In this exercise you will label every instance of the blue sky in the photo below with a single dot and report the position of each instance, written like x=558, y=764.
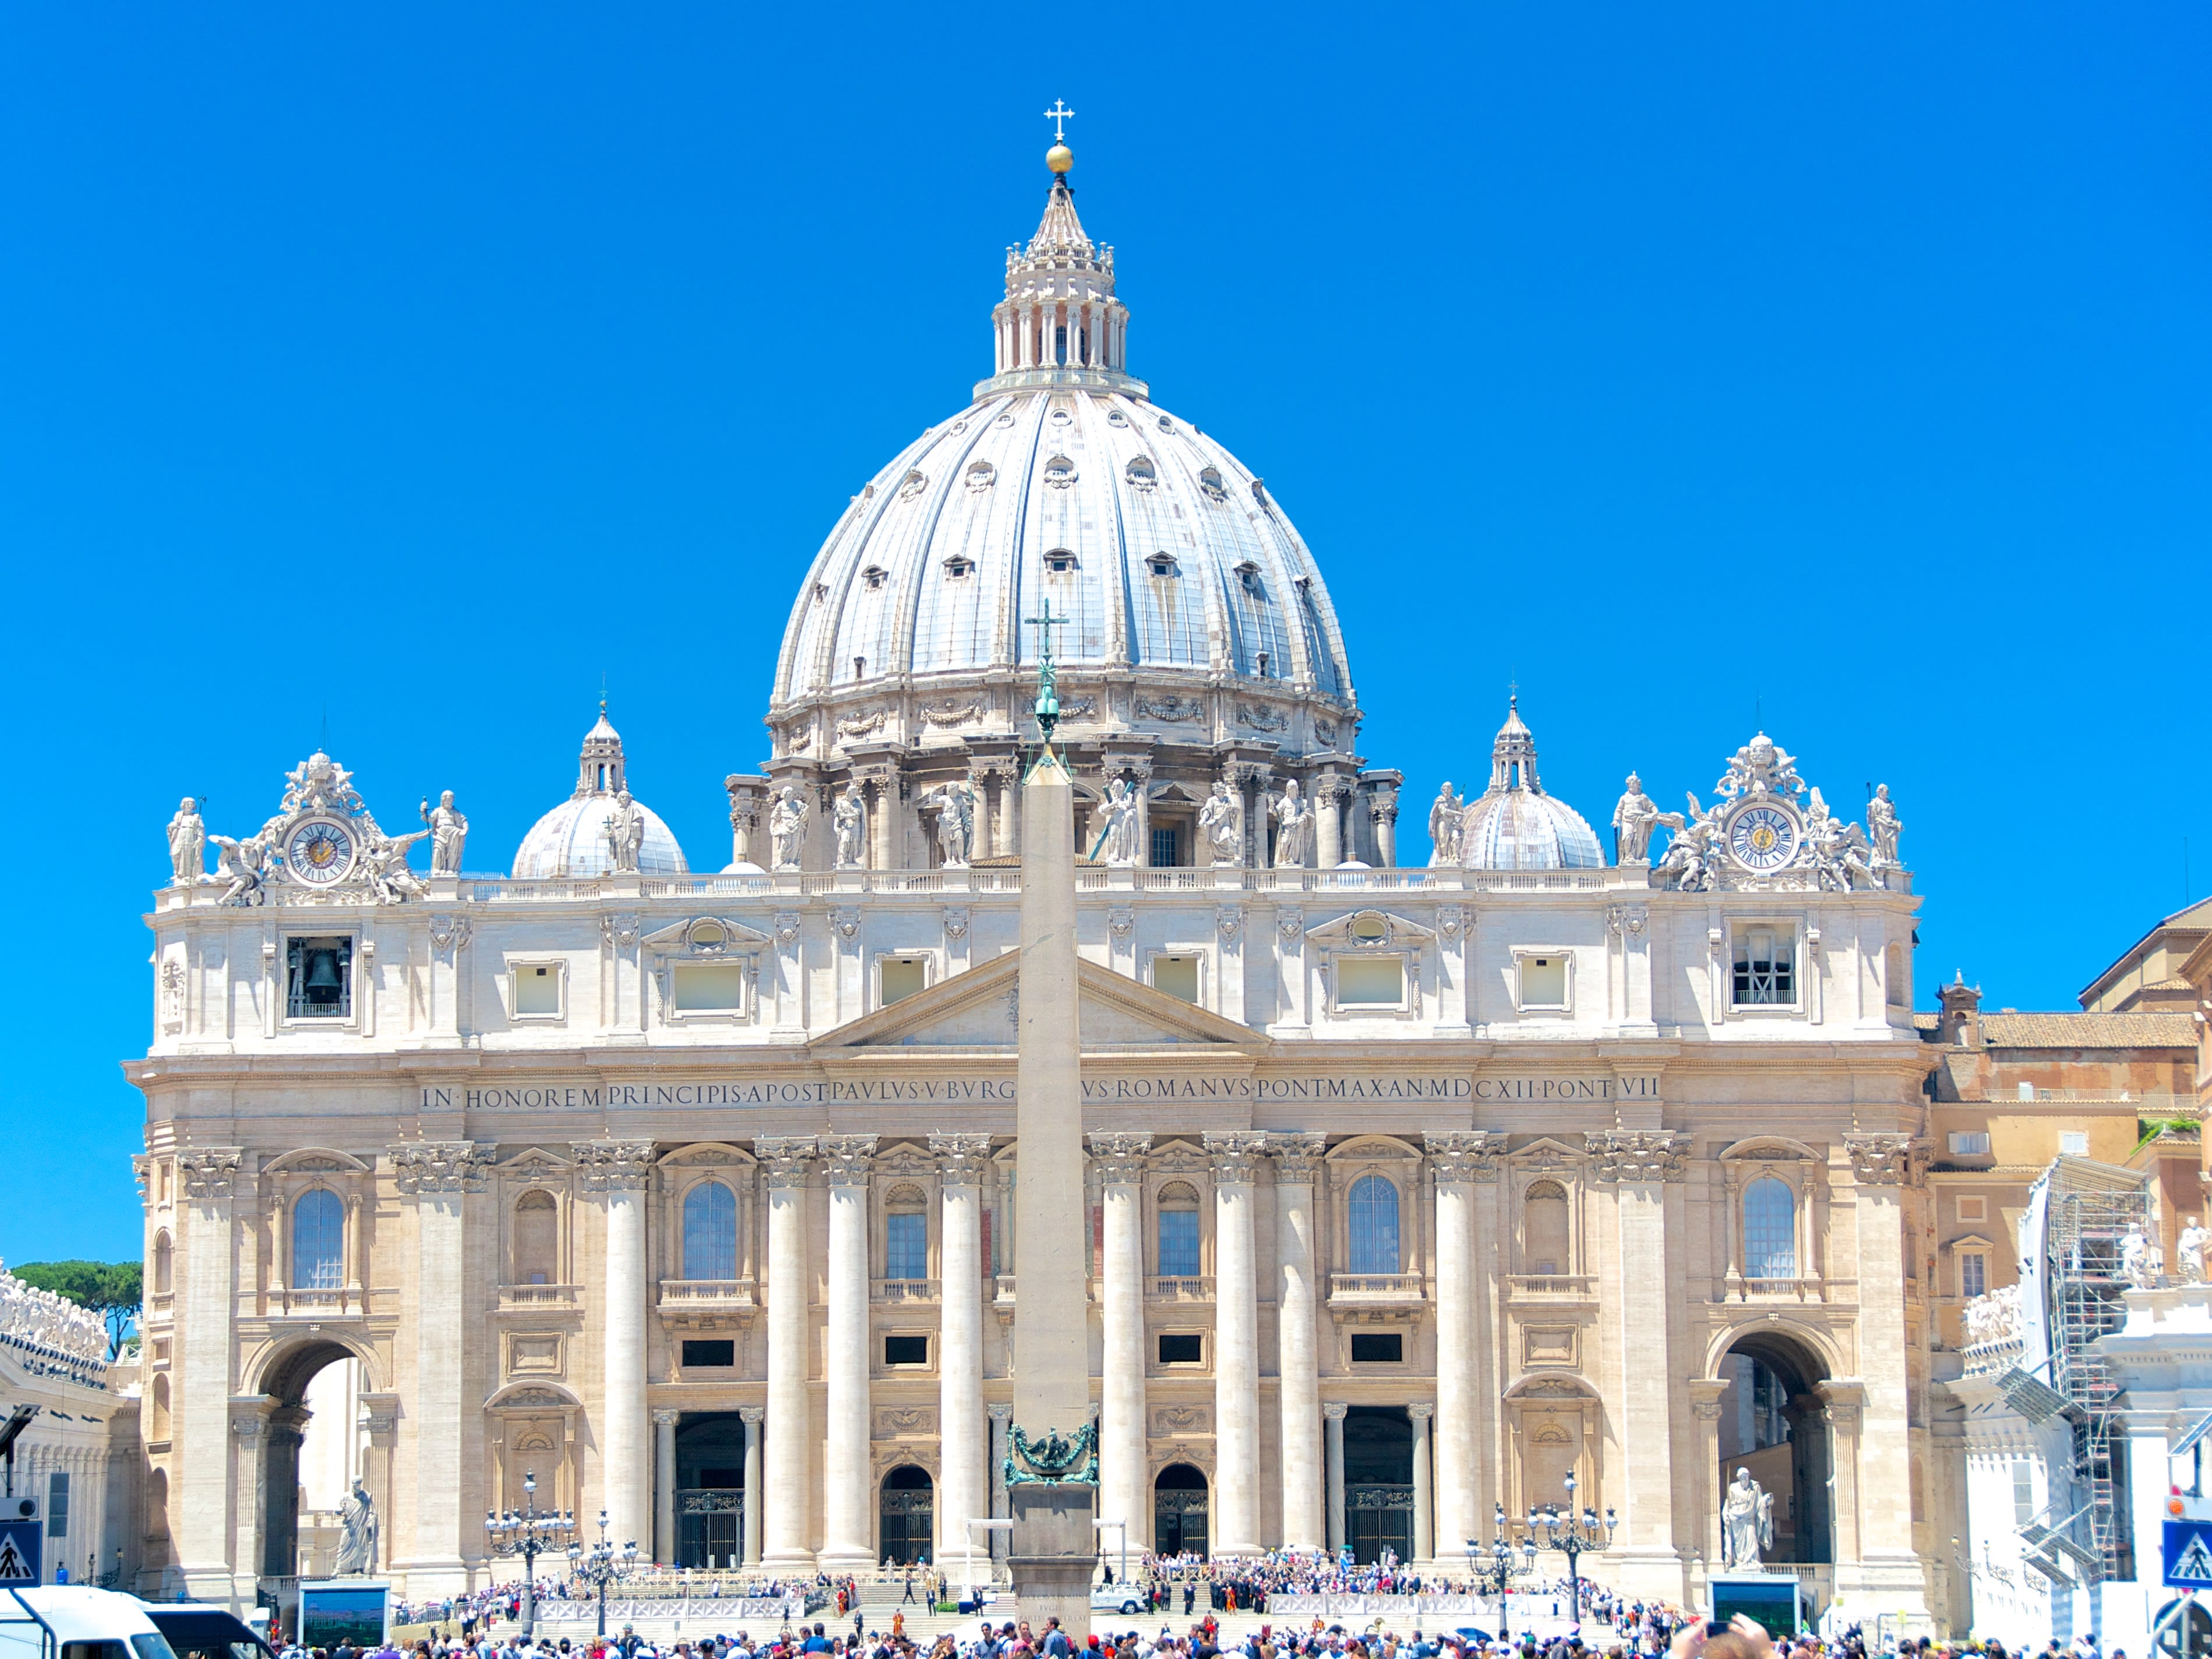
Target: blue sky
x=1842, y=367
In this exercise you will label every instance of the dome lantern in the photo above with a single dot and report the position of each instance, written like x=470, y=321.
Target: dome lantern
x=1514, y=826
x=571, y=841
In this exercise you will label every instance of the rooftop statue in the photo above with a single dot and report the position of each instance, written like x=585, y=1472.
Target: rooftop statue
x=955, y=802
x=1294, y=827
x=786, y=826
x=625, y=833
x=1444, y=828
x=1221, y=821
x=1634, y=818
x=850, y=820
x=449, y=832
x=187, y=844
x=1120, y=836
x=1883, y=827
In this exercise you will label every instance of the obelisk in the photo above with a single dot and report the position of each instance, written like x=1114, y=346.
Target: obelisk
x=1052, y=1484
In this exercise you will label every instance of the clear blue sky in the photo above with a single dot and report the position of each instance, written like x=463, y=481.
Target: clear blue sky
x=416, y=365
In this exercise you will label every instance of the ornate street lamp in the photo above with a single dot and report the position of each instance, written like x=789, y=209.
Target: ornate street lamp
x=1492, y=1567
x=529, y=1532
x=601, y=1565
x=1573, y=1536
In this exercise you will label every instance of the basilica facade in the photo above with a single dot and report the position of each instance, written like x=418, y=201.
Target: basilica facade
x=1413, y=1192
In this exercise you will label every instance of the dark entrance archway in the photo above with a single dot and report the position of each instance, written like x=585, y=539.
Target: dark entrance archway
x=710, y=1490
x=1179, y=1510
x=908, y=1517
x=1772, y=1423
x=286, y=1382
x=1378, y=1482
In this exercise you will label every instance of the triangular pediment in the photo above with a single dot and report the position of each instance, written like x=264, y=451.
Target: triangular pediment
x=977, y=1009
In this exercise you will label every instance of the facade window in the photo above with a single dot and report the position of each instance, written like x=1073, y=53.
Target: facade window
x=906, y=1351
x=165, y=1265
x=2074, y=1142
x=1544, y=1223
x=1178, y=1242
x=1370, y=982
x=710, y=1232
x=1373, y=1214
x=906, y=1245
x=319, y=979
x=1176, y=975
x=709, y=987
x=1543, y=980
x=1765, y=968
x=2023, y=1492
x=317, y=1241
x=1182, y=1348
x=1165, y=852
x=1769, y=1230
x=538, y=990
x=898, y=978
x=709, y=1352
x=58, y=1503
x=1379, y=1348
x=1969, y=1143
x=537, y=1237
x=157, y=1409
x=1973, y=1273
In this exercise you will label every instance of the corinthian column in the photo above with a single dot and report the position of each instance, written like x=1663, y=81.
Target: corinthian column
x=1236, y=1344
x=1641, y=1164
x=1458, y=1158
x=847, y=1540
x=787, y=1525
x=962, y=1489
x=1121, y=1162
x=618, y=1170
x=1882, y=1168
x=1295, y=1308
x=199, y=1504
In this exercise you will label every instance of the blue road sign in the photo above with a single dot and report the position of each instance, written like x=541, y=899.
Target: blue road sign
x=19, y=1554
x=2188, y=1554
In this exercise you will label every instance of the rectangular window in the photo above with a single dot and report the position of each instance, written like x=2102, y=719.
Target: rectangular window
x=2074, y=1142
x=709, y=1353
x=1765, y=968
x=1544, y=980
x=906, y=1246
x=1164, y=848
x=710, y=987
x=900, y=977
x=58, y=1503
x=1370, y=982
x=1176, y=975
x=906, y=1351
x=537, y=988
x=1178, y=1243
x=319, y=978
x=1969, y=1143
x=1973, y=1273
x=1182, y=1348
x=2023, y=1492
x=1387, y=1347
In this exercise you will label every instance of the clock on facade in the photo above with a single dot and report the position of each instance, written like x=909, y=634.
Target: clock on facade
x=1763, y=837
x=320, y=851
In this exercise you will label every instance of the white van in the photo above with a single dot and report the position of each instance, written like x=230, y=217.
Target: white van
x=76, y=1621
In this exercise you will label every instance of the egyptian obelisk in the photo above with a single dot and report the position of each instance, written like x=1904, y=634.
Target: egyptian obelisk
x=1052, y=1435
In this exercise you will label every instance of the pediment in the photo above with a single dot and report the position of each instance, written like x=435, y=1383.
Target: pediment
x=1369, y=929
x=707, y=937
x=1546, y=1153
x=978, y=1008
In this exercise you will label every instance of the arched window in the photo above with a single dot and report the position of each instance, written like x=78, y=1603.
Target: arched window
x=906, y=1236
x=1769, y=1230
x=1546, y=1241
x=317, y=1241
x=1178, y=1242
x=165, y=1265
x=1374, y=1219
x=710, y=1232
x=537, y=1237
x=157, y=1427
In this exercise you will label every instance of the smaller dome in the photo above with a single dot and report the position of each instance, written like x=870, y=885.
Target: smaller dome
x=1514, y=825
x=571, y=840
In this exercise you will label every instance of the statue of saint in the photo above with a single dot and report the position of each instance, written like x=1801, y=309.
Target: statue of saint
x=1634, y=817
x=1120, y=810
x=187, y=845
x=357, y=1537
x=786, y=826
x=1746, y=1522
x=956, y=821
x=2189, y=1250
x=1294, y=827
x=625, y=833
x=849, y=818
x=1883, y=829
x=449, y=830
x=2137, y=1265
x=1221, y=821
x=1444, y=828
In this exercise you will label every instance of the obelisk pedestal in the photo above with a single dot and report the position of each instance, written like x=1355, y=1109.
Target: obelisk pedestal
x=1055, y=1545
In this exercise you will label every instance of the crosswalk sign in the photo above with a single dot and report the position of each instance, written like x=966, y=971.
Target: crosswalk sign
x=19, y=1554
x=2188, y=1554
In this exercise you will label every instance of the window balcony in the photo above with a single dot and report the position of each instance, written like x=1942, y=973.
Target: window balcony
x=1582, y=1286
x=707, y=1295
x=1375, y=1290
x=902, y=1290
x=1178, y=1288
x=539, y=1296
x=291, y=1303
x=1775, y=1289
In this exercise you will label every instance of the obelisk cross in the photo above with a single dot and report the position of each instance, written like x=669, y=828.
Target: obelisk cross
x=1060, y=115
x=1048, y=702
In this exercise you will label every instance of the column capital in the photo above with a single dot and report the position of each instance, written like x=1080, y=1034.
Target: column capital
x=847, y=1160
x=1334, y=1409
x=1461, y=1156
x=1421, y=1410
x=753, y=1414
x=664, y=1419
x=440, y=1166
x=380, y=1415
x=1639, y=1155
x=615, y=1166
x=1236, y=1154
x=1000, y=1414
x=1120, y=1156
x=208, y=1170
x=1885, y=1160
x=961, y=1159
x=1296, y=1157
x=785, y=1157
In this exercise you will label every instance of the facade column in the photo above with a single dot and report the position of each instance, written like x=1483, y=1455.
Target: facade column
x=848, y=1537
x=199, y=1504
x=1119, y=1160
x=1333, y=1412
x=1297, y=1362
x=1236, y=1346
x=1641, y=1165
x=1844, y=1404
x=751, y=1417
x=785, y=1515
x=249, y=1427
x=1458, y=1158
x=1706, y=1395
x=1328, y=822
x=1424, y=1530
x=438, y=1175
x=1000, y=1415
x=618, y=1171
x=961, y=1488
x=1882, y=1168
x=664, y=1487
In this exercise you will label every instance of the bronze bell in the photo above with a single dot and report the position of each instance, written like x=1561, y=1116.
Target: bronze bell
x=323, y=981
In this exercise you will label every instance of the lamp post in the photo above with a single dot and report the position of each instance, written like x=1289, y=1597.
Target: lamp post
x=601, y=1565
x=1573, y=1536
x=529, y=1532
x=1492, y=1567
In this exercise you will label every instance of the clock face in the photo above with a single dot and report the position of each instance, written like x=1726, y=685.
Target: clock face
x=321, y=852
x=1763, y=838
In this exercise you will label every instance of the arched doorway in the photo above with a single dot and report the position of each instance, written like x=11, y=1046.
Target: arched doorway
x=1772, y=1423
x=1179, y=1509
x=710, y=1490
x=286, y=1382
x=1378, y=1482
x=907, y=1516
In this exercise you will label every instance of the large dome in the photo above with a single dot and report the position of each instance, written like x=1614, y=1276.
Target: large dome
x=1515, y=824
x=571, y=840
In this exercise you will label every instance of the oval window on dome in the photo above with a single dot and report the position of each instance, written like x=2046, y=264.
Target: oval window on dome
x=1141, y=474
x=1115, y=417
x=912, y=485
x=1060, y=562
x=1209, y=480
x=980, y=477
x=874, y=577
x=1061, y=418
x=1161, y=564
x=1060, y=472
x=958, y=568
x=1003, y=420
x=1166, y=425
